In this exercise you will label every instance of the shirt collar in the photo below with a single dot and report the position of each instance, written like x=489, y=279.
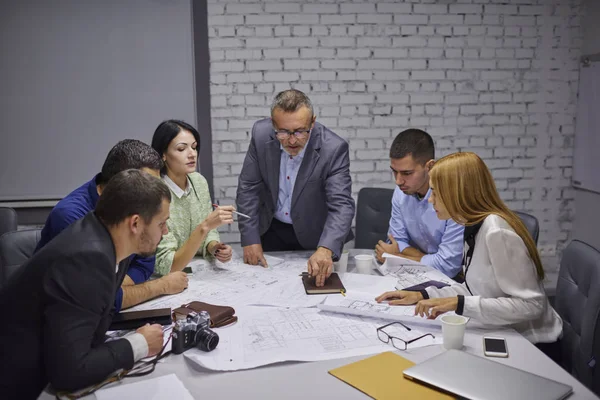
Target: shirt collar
x=177, y=191
x=424, y=198
x=93, y=189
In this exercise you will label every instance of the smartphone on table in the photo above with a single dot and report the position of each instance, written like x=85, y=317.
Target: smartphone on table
x=494, y=347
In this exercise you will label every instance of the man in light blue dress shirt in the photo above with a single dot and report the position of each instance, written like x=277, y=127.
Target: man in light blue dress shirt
x=415, y=230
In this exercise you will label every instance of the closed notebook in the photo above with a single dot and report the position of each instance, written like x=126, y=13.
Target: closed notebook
x=380, y=377
x=333, y=284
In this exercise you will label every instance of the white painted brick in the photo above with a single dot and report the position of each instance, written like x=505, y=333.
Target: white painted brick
x=401, y=8
x=271, y=65
x=295, y=19
x=354, y=75
x=244, y=77
x=375, y=64
x=426, y=98
x=283, y=30
x=369, y=42
x=409, y=41
x=263, y=42
x=348, y=8
x=244, y=9
x=479, y=109
x=340, y=30
x=264, y=19
x=338, y=19
x=465, y=9
x=421, y=30
x=338, y=64
x=243, y=54
x=435, y=42
x=374, y=18
x=503, y=9
x=430, y=9
x=385, y=53
x=301, y=64
x=446, y=19
x=353, y=53
x=473, y=19
x=226, y=20
x=318, y=76
x=410, y=64
x=411, y=19
x=281, y=76
x=320, y=8
x=225, y=43
x=281, y=8
x=338, y=42
x=428, y=75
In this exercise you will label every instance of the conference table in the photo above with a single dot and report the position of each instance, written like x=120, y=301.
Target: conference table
x=302, y=380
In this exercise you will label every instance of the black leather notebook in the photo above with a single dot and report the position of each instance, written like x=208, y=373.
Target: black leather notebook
x=135, y=319
x=333, y=284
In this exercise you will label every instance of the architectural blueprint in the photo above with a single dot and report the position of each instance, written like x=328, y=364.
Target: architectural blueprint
x=268, y=335
x=410, y=273
x=366, y=306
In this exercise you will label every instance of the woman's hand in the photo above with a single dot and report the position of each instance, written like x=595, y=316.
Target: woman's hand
x=220, y=216
x=431, y=308
x=400, y=297
x=223, y=252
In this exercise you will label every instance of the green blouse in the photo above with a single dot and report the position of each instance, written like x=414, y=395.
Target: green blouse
x=188, y=209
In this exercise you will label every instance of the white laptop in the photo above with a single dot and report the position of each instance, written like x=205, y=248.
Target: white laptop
x=478, y=378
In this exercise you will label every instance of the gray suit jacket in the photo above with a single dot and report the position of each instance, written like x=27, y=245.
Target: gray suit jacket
x=322, y=205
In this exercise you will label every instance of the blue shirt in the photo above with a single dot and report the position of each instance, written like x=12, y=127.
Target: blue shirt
x=414, y=223
x=288, y=171
x=75, y=206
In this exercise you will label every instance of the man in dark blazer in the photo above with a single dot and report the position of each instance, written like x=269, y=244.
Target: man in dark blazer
x=295, y=186
x=57, y=307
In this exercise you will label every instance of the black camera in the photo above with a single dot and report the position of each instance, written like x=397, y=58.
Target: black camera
x=194, y=331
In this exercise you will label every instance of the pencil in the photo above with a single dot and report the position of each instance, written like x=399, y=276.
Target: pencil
x=235, y=212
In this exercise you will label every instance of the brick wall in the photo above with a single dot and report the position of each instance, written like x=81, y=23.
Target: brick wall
x=480, y=75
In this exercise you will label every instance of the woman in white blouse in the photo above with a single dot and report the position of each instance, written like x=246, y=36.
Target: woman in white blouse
x=502, y=268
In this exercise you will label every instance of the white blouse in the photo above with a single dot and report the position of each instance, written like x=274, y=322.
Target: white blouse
x=505, y=289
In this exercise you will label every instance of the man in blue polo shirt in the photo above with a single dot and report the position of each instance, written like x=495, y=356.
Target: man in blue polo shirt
x=127, y=154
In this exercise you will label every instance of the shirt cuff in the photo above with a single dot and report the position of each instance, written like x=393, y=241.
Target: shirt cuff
x=139, y=346
x=402, y=246
x=461, y=304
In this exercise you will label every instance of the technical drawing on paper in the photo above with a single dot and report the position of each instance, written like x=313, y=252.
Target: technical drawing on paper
x=368, y=306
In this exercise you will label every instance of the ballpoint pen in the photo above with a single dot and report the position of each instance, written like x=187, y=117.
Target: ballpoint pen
x=235, y=212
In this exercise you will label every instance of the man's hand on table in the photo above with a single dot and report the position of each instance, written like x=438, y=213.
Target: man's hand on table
x=253, y=255
x=320, y=265
x=175, y=282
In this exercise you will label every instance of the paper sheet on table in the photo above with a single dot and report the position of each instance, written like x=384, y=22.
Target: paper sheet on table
x=268, y=335
x=291, y=293
x=160, y=388
x=365, y=305
x=412, y=273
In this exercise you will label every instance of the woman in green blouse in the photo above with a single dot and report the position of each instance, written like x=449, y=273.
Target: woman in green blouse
x=192, y=224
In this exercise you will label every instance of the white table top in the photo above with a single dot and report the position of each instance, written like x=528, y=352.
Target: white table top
x=301, y=380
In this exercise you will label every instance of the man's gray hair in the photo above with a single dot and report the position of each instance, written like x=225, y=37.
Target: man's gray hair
x=290, y=101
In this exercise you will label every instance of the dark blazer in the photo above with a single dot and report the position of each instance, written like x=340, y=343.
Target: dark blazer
x=55, y=311
x=322, y=206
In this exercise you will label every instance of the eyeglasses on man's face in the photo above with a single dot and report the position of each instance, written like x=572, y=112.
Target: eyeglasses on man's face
x=397, y=342
x=284, y=133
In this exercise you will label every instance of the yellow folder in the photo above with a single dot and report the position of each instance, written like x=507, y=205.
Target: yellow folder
x=380, y=377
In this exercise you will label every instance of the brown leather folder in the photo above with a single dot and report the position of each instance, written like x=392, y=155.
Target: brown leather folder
x=219, y=315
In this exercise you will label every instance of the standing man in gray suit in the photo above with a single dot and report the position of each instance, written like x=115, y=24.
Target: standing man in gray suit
x=295, y=185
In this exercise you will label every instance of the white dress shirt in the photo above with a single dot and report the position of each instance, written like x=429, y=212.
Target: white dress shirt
x=504, y=285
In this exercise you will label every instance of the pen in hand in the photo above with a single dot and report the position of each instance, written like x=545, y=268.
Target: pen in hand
x=234, y=212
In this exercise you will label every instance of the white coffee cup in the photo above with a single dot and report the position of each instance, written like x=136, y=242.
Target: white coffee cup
x=341, y=265
x=453, y=330
x=364, y=263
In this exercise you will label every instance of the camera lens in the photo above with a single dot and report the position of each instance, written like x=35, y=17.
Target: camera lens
x=206, y=339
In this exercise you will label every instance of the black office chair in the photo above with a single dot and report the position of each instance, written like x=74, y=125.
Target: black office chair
x=531, y=223
x=373, y=213
x=16, y=248
x=8, y=220
x=578, y=304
